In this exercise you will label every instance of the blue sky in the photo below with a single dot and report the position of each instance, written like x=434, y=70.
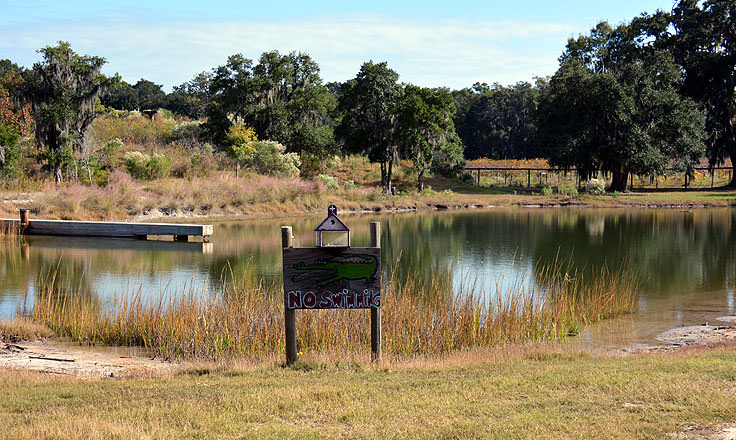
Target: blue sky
x=429, y=43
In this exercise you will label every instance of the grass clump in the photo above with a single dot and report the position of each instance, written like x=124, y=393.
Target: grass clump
x=23, y=329
x=246, y=320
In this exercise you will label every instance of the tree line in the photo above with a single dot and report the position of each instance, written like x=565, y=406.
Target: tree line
x=639, y=97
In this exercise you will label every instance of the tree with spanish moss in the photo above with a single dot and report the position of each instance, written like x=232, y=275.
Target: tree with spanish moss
x=63, y=89
x=426, y=131
x=701, y=36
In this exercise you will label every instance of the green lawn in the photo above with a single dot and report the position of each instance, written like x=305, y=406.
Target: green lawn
x=540, y=394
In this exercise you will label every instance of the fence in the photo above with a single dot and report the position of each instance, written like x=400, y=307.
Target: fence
x=700, y=177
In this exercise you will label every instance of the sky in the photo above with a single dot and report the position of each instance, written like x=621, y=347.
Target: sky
x=429, y=43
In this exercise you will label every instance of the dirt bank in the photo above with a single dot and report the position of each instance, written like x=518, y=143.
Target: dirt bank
x=83, y=363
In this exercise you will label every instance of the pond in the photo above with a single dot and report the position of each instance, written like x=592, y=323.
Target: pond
x=686, y=259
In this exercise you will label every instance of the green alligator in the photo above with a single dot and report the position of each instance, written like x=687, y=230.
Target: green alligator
x=343, y=267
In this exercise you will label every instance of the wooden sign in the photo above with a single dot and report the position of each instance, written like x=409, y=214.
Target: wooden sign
x=332, y=278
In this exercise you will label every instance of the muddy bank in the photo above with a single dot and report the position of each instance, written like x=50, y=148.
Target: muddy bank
x=86, y=364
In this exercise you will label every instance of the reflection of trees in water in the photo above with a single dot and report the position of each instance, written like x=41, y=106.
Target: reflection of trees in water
x=421, y=250
x=67, y=277
x=669, y=250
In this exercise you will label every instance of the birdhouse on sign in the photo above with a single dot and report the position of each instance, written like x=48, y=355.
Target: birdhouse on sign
x=332, y=232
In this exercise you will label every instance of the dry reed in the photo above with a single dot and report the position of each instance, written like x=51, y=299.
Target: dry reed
x=247, y=321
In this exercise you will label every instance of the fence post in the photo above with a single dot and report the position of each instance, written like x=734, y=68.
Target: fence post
x=289, y=314
x=376, y=311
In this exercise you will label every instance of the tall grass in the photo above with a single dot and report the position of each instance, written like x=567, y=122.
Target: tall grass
x=241, y=320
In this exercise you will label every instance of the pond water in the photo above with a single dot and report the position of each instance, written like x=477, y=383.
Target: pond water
x=687, y=260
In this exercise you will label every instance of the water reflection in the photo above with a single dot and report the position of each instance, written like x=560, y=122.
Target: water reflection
x=686, y=259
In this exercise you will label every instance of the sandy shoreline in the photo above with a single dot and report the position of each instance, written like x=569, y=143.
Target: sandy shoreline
x=675, y=339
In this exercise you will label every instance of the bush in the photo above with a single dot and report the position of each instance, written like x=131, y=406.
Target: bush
x=269, y=158
x=546, y=190
x=333, y=162
x=350, y=185
x=595, y=187
x=330, y=182
x=310, y=165
x=568, y=190
x=107, y=155
x=467, y=178
x=187, y=130
x=144, y=167
x=159, y=165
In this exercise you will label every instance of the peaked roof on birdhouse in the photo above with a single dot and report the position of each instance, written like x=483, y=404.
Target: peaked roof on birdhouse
x=332, y=223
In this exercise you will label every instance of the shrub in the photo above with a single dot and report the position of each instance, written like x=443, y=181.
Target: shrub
x=310, y=165
x=144, y=167
x=546, y=190
x=269, y=158
x=568, y=190
x=333, y=162
x=595, y=187
x=159, y=165
x=350, y=185
x=467, y=178
x=330, y=182
x=108, y=153
x=135, y=162
x=187, y=130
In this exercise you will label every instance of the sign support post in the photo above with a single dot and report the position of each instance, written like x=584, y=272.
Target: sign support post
x=289, y=314
x=376, y=311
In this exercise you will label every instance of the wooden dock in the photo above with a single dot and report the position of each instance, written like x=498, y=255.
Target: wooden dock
x=180, y=232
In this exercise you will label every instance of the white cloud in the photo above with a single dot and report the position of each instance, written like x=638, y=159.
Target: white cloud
x=453, y=53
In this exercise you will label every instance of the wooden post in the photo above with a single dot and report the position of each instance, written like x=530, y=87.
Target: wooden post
x=376, y=312
x=478, y=177
x=289, y=314
x=712, y=176
x=25, y=218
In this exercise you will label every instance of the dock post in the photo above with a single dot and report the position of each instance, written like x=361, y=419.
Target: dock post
x=289, y=315
x=375, y=311
x=25, y=218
